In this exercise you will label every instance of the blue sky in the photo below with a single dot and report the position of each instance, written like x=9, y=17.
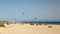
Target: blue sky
x=44, y=10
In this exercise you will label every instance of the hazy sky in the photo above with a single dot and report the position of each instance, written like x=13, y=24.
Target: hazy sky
x=44, y=10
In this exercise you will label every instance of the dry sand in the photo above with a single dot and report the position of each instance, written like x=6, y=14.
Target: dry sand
x=30, y=29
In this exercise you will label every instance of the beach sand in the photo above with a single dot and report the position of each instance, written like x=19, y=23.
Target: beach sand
x=30, y=29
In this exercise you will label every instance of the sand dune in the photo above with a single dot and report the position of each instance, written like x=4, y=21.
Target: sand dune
x=30, y=29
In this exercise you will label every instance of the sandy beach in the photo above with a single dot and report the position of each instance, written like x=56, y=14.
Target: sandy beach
x=30, y=29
